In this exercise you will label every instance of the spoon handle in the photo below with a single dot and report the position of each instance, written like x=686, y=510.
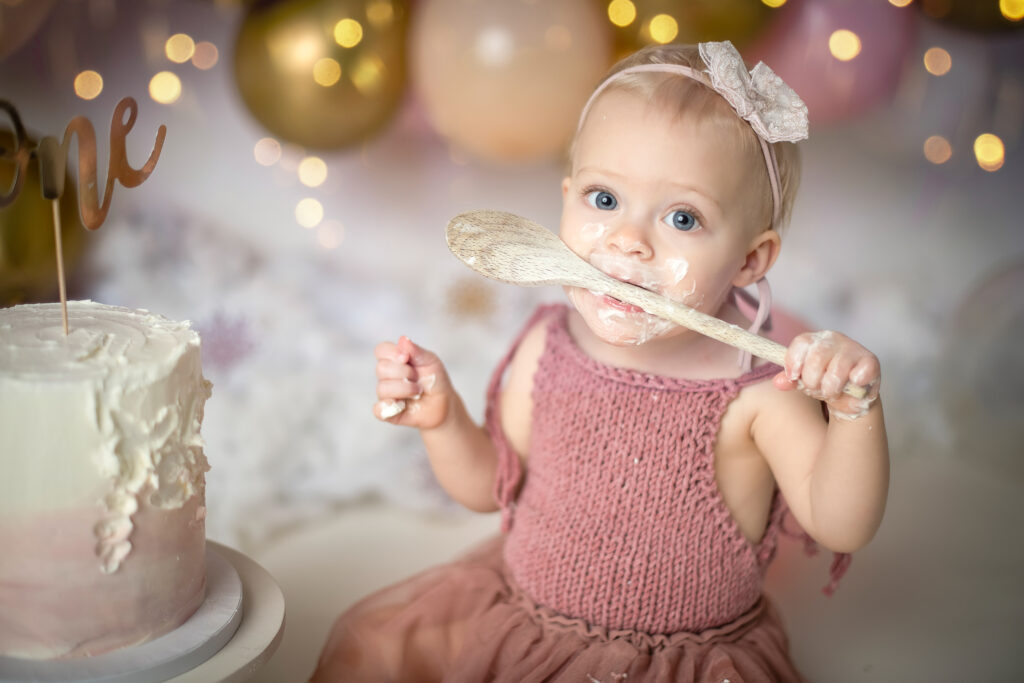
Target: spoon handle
x=707, y=325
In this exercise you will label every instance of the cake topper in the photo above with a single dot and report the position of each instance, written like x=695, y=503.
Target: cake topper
x=52, y=158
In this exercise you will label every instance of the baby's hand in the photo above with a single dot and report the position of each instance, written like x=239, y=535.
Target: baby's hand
x=821, y=363
x=412, y=385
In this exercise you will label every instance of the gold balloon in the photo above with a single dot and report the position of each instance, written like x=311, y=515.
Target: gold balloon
x=322, y=74
x=503, y=80
x=686, y=21
x=28, y=256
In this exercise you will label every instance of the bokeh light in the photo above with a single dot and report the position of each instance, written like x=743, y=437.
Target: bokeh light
x=844, y=44
x=937, y=149
x=165, y=87
x=312, y=171
x=774, y=3
x=621, y=12
x=326, y=71
x=494, y=46
x=179, y=48
x=88, y=84
x=368, y=74
x=267, y=151
x=206, y=55
x=1012, y=9
x=348, y=33
x=900, y=3
x=937, y=61
x=330, y=233
x=380, y=13
x=309, y=212
x=663, y=28
x=989, y=151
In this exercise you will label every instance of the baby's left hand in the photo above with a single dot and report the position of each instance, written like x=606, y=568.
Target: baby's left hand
x=821, y=363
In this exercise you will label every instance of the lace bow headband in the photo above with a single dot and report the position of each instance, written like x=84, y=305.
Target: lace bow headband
x=760, y=97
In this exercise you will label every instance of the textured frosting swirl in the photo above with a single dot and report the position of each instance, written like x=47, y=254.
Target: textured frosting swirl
x=101, y=339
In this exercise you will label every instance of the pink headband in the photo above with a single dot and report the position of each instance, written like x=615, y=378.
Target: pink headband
x=760, y=97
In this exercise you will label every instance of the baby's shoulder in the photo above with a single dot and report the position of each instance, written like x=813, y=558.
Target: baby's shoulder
x=527, y=354
x=763, y=402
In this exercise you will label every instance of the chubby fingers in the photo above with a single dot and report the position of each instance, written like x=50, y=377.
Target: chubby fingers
x=824, y=364
x=401, y=376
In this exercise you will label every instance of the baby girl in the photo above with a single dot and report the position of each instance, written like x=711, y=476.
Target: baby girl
x=643, y=471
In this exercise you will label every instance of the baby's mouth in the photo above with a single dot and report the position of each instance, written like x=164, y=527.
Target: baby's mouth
x=619, y=304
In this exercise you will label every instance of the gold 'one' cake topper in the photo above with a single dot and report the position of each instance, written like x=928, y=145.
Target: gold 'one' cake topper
x=52, y=157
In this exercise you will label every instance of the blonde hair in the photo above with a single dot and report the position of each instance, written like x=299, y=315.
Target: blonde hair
x=689, y=97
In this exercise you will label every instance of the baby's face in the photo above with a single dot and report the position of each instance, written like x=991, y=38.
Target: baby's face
x=657, y=201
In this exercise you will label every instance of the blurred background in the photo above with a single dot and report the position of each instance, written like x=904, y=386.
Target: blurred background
x=314, y=152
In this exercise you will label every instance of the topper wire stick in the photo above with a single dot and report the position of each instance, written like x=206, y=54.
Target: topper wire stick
x=60, y=264
x=51, y=180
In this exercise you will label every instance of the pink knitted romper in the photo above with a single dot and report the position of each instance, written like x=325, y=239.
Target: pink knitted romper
x=619, y=521
x=620, y=562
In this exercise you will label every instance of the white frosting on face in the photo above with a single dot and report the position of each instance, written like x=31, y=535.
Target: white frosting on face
x=113, y=410
x=594, y=231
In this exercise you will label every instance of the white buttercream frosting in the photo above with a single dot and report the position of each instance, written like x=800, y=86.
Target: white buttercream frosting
x=112, y=410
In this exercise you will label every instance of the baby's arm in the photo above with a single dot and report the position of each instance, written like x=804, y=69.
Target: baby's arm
x=834, y=475
x=414, y=390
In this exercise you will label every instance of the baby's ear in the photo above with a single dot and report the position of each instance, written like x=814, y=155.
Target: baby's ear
x=761, y=254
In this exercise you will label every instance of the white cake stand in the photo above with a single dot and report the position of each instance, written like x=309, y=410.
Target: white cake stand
x=225, y=640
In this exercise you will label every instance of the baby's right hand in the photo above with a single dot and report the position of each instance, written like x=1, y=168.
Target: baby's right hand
x=412, y=385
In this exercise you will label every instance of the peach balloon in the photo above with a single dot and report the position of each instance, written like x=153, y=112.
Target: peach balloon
x=504, y=80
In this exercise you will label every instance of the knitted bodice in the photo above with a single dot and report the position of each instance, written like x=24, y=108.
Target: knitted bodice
x=619, y=520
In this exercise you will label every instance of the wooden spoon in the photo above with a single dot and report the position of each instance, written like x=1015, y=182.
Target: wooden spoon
x=512, y=249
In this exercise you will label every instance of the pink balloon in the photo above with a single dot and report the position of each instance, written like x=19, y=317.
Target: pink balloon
x=796, y=47
x=505, y=80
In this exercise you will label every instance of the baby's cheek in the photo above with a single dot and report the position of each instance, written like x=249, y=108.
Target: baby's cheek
x=686, y=290
x=584, y=239
x=592, y=234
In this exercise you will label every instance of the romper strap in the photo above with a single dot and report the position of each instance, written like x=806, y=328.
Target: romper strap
x=509, y=472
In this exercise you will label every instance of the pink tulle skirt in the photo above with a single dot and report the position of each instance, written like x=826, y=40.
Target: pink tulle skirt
x=465, y=622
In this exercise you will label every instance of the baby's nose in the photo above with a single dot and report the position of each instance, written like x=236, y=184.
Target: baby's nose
x=630, y=239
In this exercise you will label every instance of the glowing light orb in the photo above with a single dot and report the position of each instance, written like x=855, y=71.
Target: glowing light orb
x=348, y=33
x=165, y=87
x=844, y=44
x=312, y=171
x=937, y=149
x=309, y=212
x=267, y=151
x=989, y=151
x=179, y=48
x=663, y=29
x=88, y=85
x=937, y=61
x=621, y=12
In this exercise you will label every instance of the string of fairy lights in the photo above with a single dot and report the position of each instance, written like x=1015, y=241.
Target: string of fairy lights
x=165, y=87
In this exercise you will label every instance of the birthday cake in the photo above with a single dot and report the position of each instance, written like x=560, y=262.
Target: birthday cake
x=102, y=491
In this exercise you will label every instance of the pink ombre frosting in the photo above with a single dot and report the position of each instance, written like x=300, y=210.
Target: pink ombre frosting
x=102, y=503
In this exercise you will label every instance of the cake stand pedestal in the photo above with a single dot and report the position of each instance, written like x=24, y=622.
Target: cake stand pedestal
x=258, y=634
x=226, y=640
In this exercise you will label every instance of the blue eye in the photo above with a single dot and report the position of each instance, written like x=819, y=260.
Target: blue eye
x=682, y=220
x=599, y=199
